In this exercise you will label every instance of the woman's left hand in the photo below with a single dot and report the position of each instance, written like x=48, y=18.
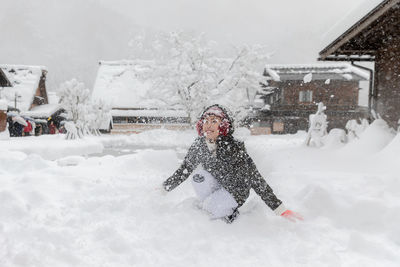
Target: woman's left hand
x=292, y=216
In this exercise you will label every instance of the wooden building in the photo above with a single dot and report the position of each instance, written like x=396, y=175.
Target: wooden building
x=375, y=38
x=294, y=91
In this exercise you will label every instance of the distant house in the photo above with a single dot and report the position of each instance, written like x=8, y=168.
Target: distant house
x=24, y=86
x=375, y=37
x=294, y=91
x=135, y=107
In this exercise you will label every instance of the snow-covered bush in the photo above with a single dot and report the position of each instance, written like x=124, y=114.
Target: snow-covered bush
x=373, y=139
x=99, y=112
x=336, y=138
x=86, y=114
x=72, y=132
x=354, y=129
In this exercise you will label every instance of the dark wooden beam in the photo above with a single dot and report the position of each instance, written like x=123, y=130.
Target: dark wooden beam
x=358, y=27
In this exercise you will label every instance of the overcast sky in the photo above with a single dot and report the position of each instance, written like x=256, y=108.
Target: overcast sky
x=71, y=36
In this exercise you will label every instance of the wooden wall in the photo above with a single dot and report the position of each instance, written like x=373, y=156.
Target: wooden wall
x=387, y=82
x=338, y=95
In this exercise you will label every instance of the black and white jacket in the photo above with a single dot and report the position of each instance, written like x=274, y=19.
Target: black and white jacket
x=232, y=167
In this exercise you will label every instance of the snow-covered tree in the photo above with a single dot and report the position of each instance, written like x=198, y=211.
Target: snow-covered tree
x=189, y=73
x=98, y=113
x=74, y=98
x=86, y=114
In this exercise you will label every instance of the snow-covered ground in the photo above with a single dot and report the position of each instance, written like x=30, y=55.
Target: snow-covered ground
x=94, y=202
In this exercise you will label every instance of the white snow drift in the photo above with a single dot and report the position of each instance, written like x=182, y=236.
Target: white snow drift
x=59, y=206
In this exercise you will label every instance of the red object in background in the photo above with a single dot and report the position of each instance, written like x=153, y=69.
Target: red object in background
x=28, y=128
x=52, y=128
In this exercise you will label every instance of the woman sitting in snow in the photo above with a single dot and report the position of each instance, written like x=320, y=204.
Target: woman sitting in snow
x=223, y=171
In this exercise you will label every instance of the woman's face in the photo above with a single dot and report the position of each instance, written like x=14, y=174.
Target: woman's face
x=211, y=127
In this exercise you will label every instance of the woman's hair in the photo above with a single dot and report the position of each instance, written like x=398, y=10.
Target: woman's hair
x=225, y=127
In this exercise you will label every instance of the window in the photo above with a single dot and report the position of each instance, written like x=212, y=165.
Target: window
x=305, y=96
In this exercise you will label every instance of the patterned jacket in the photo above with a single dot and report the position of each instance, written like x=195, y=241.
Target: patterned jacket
x=232, y=167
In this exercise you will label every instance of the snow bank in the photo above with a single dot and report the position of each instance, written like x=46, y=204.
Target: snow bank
x=158, y=138
x=372, y=140
x=388, y=157
x=5, y=135
x=109, y=211
x=53, y=146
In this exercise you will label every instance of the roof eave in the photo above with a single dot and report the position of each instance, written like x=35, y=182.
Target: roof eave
x=359, y=26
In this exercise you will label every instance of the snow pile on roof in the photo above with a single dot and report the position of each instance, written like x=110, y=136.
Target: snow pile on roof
x=122, y=84
x=321, y=71
x=24, y=81
x=3, y=104
x=307, y=78
x=42, y=111
x=349, y=20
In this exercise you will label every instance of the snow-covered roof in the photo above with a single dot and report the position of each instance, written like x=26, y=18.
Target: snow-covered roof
x=42, y=111
x=25, y=81
x=162, y=113
x=3, y=104
x=121, y=83
x=320, y=71
x=348, y=20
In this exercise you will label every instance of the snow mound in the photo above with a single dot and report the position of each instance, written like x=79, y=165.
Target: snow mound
x=5, y=135
x=335, y=138
x=54, y=146
x=70, y=161
x=153, y=138
x=392, y=150
x=389, y=156
x=108, y=211
x=372, y=140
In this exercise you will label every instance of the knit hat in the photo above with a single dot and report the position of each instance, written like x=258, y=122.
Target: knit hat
x=226, y=126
